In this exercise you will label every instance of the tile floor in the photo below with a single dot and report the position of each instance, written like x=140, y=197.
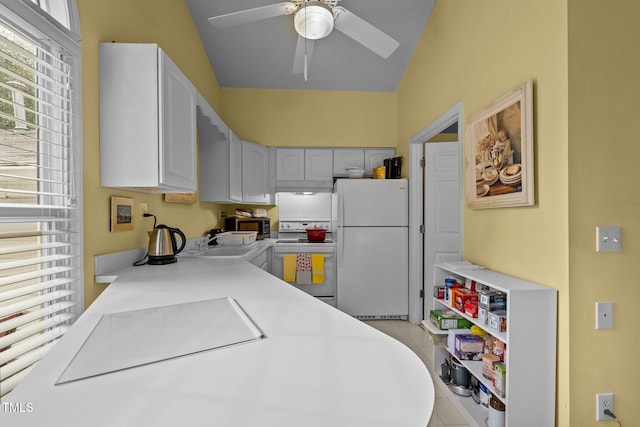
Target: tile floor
x=417, y=339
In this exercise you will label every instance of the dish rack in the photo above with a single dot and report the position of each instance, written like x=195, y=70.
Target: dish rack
x=236, y=238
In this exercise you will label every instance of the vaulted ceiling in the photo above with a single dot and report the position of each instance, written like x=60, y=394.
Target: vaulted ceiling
x=261, y=54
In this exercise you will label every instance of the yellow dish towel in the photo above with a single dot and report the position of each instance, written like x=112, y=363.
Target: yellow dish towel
x=317, y=268
x=289, y=268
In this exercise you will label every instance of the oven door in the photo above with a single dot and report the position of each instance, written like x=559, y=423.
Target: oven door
x=326, y=289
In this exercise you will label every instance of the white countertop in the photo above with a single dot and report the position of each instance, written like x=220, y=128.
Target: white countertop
x=316, y=367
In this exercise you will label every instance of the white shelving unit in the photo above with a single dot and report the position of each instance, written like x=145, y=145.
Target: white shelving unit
x=530, y=348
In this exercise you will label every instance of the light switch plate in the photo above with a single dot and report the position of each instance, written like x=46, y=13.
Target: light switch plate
x=604, y=315
x=608, y=239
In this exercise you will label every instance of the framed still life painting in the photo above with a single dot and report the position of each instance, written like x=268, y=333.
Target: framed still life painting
x=499, y=154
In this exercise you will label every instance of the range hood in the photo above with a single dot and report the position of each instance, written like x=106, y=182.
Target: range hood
x=300, y=186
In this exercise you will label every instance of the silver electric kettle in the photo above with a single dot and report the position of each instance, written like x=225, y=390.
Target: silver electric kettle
x=162, y=245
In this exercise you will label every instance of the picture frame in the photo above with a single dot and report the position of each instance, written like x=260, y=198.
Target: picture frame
x=499, y=152
x=123, y=216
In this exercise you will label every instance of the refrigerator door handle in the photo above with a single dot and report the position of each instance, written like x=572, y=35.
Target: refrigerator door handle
x=340, y=229
x=341, y=246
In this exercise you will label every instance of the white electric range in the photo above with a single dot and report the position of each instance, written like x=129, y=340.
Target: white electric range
x=292, y=242
x=296, y=213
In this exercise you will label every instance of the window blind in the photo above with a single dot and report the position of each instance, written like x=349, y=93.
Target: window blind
x=40, y=222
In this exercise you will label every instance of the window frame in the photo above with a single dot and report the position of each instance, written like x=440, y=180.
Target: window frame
x=29, y=19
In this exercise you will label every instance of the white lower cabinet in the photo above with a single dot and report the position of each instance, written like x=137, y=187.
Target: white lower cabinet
x=530, y=342
x=262, y=259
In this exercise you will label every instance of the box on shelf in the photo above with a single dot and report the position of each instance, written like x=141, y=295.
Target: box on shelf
x=449, y=285
x=500, y=379
x=469, y=347
x=492, y=300
x=448, y=320
x=488, y=362
x=470, y=284
x=462, y=295
x=471, y=308
x=438, y=292
x=451, y=338
x=499, y=348
x=482, y=316
x=497, y=320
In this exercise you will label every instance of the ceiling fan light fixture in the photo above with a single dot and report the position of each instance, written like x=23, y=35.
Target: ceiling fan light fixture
x=313, y=20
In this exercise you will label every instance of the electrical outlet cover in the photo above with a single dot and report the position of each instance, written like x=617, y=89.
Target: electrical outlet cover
x=604, y=401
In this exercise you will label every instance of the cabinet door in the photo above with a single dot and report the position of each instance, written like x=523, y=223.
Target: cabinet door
x=177, y=142
x=318, y=164
x=235, y=167
x=255, y=173
x=129, y=127
x=374, y=157
x=290, y=164
x=344, y=158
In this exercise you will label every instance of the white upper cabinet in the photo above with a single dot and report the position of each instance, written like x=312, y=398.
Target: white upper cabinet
x=304, y=169
x=220, y=165
x=318, y=164
x=345, y=158
x=374, y=157
x=235, y=168
x=147, y=121
x=255, y=173
x=231, y=170
x=364, y=158
x=290, y=164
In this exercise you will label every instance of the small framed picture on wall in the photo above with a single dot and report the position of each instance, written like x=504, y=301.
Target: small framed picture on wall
x=122, y=214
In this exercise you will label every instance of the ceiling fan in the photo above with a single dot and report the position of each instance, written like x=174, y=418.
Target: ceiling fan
x=313, y=20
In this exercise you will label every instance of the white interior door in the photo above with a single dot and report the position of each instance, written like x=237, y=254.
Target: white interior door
x=442, y=210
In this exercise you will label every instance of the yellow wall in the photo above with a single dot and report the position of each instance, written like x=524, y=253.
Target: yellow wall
x=268, y=117
x=312, y=118
x=579, y=55
x=167, y=23
x=475, y=52
x=603, y=170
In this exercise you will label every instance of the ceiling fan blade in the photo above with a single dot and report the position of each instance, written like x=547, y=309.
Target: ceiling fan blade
x=298, y=59
x=253, y=15
x=364, y=33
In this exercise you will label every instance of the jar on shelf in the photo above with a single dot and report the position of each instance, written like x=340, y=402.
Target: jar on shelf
x=496, y=412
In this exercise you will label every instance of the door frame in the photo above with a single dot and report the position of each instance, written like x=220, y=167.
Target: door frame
x=416, y=204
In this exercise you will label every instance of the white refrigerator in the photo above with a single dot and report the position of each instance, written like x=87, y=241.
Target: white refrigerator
x=372, y=227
